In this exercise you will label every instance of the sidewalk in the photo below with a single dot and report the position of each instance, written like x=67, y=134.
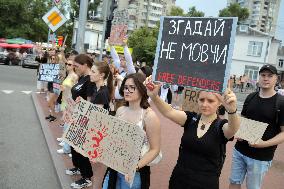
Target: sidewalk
x=160, y=175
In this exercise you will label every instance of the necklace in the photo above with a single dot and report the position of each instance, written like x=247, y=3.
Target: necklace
x=203, y=125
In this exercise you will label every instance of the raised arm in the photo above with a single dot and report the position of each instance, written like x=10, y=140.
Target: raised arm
x=115, y=57
x=229, y=101
x=174, y=115
x=128, y=59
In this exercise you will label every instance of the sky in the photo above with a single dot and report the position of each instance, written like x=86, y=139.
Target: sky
x=212, y=9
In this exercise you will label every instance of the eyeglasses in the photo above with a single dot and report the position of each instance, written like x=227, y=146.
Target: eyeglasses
x=68, y=64
x=129, y=88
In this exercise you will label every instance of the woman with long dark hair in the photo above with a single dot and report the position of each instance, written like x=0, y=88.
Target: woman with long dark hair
x=83, y=88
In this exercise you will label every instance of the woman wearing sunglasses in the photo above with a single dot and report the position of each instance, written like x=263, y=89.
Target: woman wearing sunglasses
x=137, y=110
x=66, y=86
x=202, y=148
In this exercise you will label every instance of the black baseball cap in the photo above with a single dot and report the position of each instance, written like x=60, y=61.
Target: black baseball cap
x=268, y=67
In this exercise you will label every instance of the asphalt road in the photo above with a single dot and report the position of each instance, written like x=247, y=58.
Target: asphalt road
x=25, y=161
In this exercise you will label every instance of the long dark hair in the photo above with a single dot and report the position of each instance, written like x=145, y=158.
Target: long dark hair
x=138, y=80
x=103, y=67
x=84, y=59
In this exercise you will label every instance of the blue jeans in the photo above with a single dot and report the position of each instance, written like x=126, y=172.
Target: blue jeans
x=66, y=147
x=121, y=183
x=254, y=170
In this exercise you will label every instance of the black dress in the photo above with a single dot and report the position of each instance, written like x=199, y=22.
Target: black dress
x=200, y=159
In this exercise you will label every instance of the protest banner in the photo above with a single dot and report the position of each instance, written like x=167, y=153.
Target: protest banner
x=190, y=101
x=195, y=52
x=76, y=133
x=104, y=138
x=119, y=27
x=114, y=142
x=251, y=130
x=51, y=73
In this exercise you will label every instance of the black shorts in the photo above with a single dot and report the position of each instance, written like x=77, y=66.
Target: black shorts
x=50, y=87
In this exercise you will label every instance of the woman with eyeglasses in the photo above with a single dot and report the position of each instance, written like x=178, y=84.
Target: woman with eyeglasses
x=84, y=89
x=203, y=144
x=137, y=110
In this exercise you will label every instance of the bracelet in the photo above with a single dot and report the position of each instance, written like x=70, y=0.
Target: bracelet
x=232, y=112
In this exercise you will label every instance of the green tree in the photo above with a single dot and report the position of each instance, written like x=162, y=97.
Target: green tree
x=143, y=41
x=176, y=11
x=235, y=10
x=192, y=12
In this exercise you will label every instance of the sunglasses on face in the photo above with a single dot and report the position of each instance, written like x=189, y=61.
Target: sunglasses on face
x=68, y=64
x=129, y=88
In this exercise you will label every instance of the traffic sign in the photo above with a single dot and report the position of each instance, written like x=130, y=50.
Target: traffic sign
x=54, y=18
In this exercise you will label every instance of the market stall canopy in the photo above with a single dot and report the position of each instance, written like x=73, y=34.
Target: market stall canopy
x=26, y=46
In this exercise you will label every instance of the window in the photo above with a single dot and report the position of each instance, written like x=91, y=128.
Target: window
x=251, y=72
x=280, y=63
x=255, y=48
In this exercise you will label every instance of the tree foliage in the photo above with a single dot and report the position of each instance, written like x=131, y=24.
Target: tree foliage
x=235, y=10
x=144, y=40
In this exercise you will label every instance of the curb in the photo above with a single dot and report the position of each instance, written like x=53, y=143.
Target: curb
x=58, y=162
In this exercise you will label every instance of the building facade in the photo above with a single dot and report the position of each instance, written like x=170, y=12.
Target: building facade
x=252, y=50
x=263, y=14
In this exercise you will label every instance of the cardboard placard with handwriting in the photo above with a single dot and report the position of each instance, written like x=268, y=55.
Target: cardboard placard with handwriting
x=114, y=142
x=251, y=130
x=190, y=100
x=78, y=128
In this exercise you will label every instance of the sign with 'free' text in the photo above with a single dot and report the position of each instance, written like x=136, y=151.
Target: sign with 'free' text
x=195, y=52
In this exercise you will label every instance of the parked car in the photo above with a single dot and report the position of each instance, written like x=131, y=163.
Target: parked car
x=30, y=61
x=12, y=59
x=2, y=57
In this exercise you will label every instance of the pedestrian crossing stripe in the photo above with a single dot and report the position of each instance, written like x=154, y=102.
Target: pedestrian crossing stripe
x=7, y=91
x=12, y=91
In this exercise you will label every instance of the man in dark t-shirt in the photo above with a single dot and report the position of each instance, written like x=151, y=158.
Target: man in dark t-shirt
x=254, y=160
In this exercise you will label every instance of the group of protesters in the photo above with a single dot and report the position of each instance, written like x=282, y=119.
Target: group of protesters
x=128, y=92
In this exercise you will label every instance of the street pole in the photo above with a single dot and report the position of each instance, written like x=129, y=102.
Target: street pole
x=105, y=10
x=81, y=26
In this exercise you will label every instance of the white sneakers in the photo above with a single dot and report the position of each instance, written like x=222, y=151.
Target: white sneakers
x=59, y=139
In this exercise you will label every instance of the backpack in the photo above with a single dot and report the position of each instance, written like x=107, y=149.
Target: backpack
x=278, y=100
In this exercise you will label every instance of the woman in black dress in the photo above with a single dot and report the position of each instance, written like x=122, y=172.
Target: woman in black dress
x=202, y=148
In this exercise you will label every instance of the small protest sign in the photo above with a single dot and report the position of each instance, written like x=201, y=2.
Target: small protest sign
x=195, y=52
x=117, y=35
x=51, y=73
x=190, y=101
x=119, y=27
x=251, y=130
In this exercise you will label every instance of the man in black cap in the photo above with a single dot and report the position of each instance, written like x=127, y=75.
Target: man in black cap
x=254, y=160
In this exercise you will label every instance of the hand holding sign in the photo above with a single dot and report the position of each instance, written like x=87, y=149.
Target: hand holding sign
x=152, y=89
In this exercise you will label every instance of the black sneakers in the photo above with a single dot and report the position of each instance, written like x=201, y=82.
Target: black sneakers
x=73, y=171
x=50, y=118
x=82, y=183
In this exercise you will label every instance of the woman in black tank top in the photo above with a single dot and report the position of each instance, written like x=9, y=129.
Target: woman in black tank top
x=202, y=148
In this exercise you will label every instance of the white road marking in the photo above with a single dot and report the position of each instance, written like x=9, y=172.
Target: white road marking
x=26, y=92
x=7, y=91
